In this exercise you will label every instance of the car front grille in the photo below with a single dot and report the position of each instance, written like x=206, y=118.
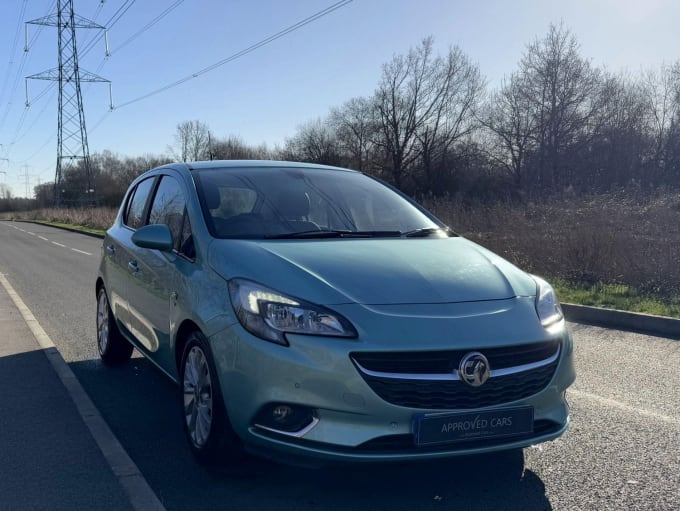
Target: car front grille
x=429, y=380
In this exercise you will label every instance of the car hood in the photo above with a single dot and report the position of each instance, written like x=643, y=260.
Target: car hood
x=373, y=271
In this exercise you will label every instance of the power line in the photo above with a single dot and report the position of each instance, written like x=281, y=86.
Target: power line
x=250, y=49
x=16, y=78
x=42, y=111
x=47, y=89
x=14, y=48
x=39, y=150
x=72, y=146
x=52, y=86
x=22, y=119
x=101, y=119
x=241, y=53
x=34, y=38
x=94, y=19
x=24, y=60
x=148, y=26
x=111, y=22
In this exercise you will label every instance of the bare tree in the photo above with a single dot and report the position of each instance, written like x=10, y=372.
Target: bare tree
x=662, y=92
x=234, y=148
x=508, y=117
x=398, y=102
x=314, y=142
x=424, y=104
x=5, y=191
x=451, y=94
x=192, y=141
x=355, y=126
x=619, y=136
x=559, y=86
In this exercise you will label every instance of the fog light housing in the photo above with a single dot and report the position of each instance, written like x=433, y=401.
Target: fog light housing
x=285, y=418
x=281, y=413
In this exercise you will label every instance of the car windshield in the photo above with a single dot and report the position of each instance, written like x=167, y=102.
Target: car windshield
x=306, y=203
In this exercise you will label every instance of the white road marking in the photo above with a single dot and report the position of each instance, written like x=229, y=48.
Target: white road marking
x=624, y=406
x=142, y=497
x=39, y=334
x=53, y=242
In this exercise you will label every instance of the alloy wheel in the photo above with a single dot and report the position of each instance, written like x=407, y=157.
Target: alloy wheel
x=198, y=396
x=103, y=322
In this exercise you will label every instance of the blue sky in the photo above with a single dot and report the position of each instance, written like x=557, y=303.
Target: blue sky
x=265, y=95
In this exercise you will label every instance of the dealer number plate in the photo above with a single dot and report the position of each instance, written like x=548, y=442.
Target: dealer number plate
x=431, y=429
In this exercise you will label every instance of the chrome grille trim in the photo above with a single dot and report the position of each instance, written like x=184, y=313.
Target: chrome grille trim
x=454, y=376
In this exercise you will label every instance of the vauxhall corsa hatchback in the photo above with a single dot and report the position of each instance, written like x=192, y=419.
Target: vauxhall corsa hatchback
x=315, y=311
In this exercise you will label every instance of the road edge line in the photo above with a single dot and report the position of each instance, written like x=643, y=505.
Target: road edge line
x=141, y=496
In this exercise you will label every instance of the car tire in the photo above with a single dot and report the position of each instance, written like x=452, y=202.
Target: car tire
x=114, y=349
x=206, y=424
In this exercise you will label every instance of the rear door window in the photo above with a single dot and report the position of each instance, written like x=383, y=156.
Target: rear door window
x=134, y=215
x=168, y=206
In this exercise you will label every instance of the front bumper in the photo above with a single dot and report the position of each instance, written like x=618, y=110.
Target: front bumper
x=352, y=423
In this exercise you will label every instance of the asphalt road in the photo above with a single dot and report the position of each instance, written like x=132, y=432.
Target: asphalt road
x=621, y=452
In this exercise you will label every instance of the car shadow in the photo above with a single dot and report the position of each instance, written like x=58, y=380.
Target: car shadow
x=142, y=408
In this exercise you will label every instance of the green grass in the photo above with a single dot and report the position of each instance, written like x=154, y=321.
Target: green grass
x=73, y=227
x=63, y=225
x=615, y=296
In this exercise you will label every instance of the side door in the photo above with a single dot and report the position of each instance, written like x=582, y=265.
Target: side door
x=153, y=272
x=118, y=246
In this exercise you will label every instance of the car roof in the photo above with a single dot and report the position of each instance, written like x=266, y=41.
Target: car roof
x=221, y=164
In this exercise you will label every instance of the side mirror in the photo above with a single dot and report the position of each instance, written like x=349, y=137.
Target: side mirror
x=155, y=237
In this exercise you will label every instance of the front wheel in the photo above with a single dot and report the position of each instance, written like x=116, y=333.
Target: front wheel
x=114, y=349
x=206, y=424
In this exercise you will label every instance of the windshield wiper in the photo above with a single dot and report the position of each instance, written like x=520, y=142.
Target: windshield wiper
x=427, y=231
x=330, y=233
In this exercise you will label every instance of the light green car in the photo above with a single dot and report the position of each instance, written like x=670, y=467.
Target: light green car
x=315, y=312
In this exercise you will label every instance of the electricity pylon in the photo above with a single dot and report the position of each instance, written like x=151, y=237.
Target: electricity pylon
x=72, y=148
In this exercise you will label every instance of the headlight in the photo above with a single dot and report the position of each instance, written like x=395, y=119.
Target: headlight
x=547, y=305
x=269, y=314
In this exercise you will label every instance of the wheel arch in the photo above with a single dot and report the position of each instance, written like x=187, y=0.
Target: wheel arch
x=99, y=285
x=185, y=329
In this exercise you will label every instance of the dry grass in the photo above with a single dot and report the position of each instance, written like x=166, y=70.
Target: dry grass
x=92, y=218
x=613, y=239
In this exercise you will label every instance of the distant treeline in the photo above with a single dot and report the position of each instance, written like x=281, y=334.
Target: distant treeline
x=433, y=128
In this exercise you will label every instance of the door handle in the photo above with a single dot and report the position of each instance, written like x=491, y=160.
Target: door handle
x=111, y=249
x=133, y=267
